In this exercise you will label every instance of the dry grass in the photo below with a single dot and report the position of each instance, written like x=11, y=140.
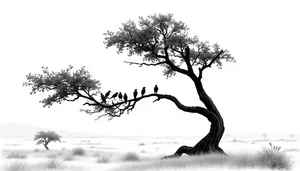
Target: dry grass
x=16, y=155
x=266, y=159
x=102, y=159
x=52, y=163
x=16, y=165
x=78, y=151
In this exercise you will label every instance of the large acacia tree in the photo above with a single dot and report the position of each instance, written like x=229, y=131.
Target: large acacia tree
x=160, y=41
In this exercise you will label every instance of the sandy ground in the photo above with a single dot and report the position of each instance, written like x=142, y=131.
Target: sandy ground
x=148, y=148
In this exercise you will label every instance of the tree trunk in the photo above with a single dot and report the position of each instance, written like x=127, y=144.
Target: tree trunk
x=210, y=143
x=45, y=145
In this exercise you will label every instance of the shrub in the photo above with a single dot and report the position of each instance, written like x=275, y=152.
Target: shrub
x=16, y=155
x=16, y=165
x=142, y=144
x=68, y=158
x=273, y=159
x=78, y=151
x=130, y=156
x=52, y=163
x=102, y=159
x=36, y=150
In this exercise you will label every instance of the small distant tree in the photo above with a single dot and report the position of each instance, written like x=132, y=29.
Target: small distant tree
x=45, y=138
x=265, y=136
x=292, y=136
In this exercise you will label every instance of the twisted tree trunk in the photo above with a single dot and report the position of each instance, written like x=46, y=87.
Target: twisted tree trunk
x=210, y=143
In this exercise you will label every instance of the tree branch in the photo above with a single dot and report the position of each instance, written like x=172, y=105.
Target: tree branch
x=209, y=65
x=147, y=64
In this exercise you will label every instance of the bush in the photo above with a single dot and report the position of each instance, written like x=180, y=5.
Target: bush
x=16, y=165
x=102, y=159
x=142, y=144
x=36, y=150
x=273, y=159
x=130, y=156
x=16, y=155
x=68, y=158
x=78, y=151
x=52, y=163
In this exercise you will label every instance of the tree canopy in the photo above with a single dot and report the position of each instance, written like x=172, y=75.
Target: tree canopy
x=163, y=41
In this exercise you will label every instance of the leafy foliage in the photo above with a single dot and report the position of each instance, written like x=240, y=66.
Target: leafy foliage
x=63, y=84
x=162, y=40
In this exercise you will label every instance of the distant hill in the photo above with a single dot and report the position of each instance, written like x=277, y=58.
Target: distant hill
x=15, y=130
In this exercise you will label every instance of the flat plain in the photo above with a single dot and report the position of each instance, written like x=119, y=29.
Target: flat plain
x=127, y=153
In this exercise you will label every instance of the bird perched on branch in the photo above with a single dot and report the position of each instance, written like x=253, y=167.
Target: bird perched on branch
x=187, y=51
x=155, y=89
x=103, y=98
x=135, y=93
x=115, y=95
x=125, y=98
x=143, y=91
x=107, y=94
x=120, y=96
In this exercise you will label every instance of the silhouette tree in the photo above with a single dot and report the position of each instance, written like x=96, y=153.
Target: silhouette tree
x=46, y=137
x=160, y=41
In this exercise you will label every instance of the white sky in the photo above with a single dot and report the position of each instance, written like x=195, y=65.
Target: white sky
x=258, y=93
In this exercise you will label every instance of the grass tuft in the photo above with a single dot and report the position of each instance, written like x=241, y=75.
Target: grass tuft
x=68, y=158
x=273, y=159
x=78, y=151
x=16, y=155
x=130, y=156
x=102, y=159
x=52, y=163
x=142, y=144
x=16, y=165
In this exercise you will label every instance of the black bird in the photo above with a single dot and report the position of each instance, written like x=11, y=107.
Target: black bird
x=155, y=89
x=187, y=51
x=120, y=96
x=135, y=93
x=143, y=91
x=103, y=98
x=107, y=94
x=115, y=95
x=125, y=98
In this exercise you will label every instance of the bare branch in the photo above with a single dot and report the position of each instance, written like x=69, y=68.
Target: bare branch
x=147, y=64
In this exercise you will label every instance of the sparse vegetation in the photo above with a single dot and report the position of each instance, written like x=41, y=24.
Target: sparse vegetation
x=268, y=158
x=142, y=144
x=52, y=163
x=16, y=165
x=68, y=158
x=78, y=151
x=130, y=156
x=102, y=159
x=16, y=155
